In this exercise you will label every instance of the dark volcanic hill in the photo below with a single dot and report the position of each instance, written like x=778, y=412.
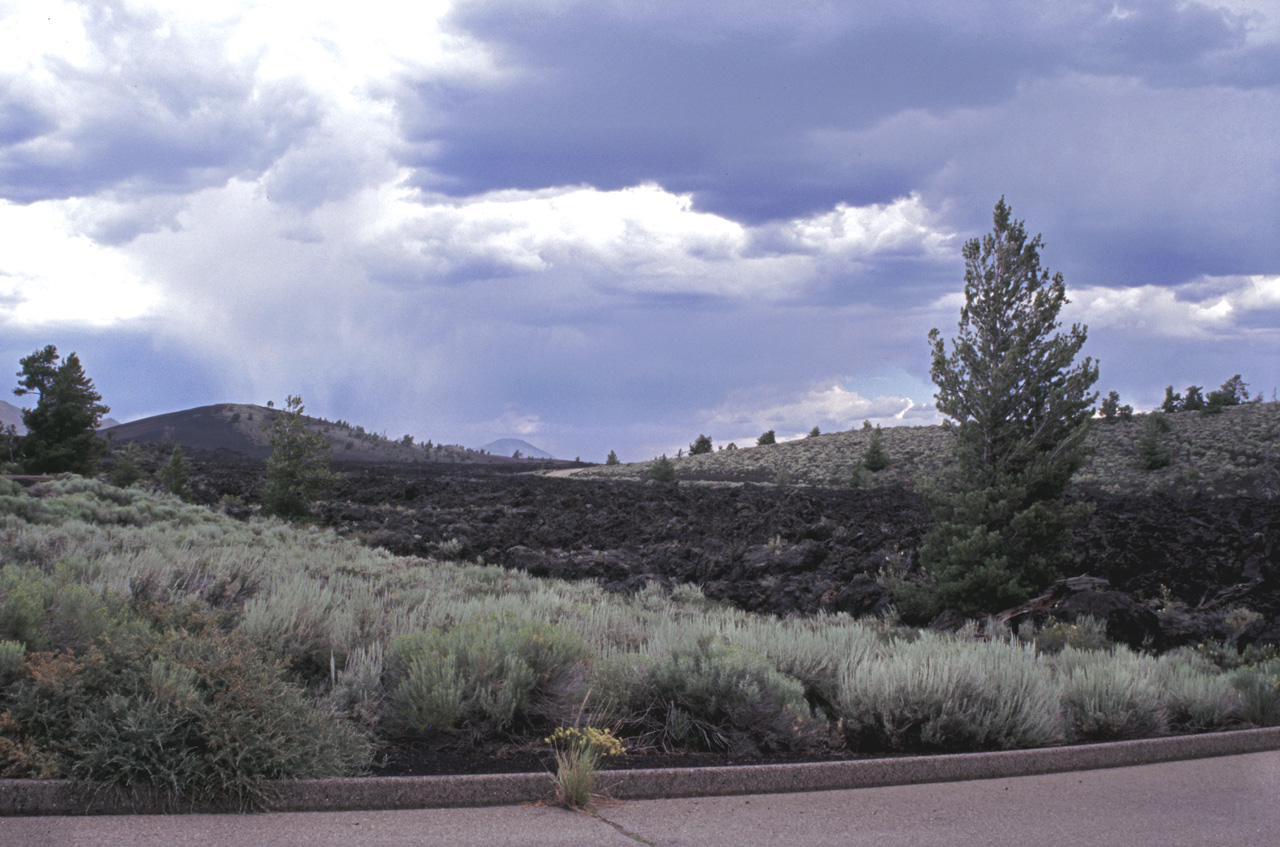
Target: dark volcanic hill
x=222, y=426
x=242, y=428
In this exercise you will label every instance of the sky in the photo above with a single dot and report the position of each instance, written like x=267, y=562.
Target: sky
x=619, y=224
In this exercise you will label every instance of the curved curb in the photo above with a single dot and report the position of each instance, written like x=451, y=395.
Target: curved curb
x=59, y=797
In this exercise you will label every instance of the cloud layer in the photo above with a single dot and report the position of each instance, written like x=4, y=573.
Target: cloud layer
x=613, y=226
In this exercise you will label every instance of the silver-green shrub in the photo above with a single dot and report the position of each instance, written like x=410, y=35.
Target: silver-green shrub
x=1109, y=695
x=703, y=694
x=944, y=693
x=492, y=671
x=1259, y=687
x=1196, y=696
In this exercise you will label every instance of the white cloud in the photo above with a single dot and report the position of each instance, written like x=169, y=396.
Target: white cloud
x=830, y=407
x=1207, y=308
x=52, y=275
x=644, y=239
x=905, y=226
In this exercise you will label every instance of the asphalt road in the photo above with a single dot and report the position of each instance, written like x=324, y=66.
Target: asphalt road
x=1230, y=801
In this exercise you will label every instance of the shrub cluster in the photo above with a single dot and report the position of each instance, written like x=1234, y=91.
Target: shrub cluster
x=483, y=676
x=705, y=695
x=146, y=643
x=935, y=693
x=197, y=718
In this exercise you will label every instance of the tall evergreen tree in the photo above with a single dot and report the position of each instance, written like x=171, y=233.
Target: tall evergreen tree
x=61, y=429
x=1020, y=411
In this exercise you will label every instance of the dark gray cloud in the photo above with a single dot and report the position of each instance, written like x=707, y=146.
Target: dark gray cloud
x=614, y=94
x=612, y=101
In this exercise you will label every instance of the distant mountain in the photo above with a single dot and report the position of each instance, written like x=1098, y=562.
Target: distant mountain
x=508, y=447
x=11, y=415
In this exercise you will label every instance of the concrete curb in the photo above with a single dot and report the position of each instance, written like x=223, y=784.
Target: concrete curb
x=58, y=797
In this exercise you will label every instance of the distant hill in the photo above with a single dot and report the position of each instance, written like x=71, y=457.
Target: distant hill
x=509, y=446
x=11, y=415
x=1236, y=451
x=241, y=428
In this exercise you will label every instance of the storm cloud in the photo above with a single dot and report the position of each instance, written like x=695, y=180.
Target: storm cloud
x=614, y=226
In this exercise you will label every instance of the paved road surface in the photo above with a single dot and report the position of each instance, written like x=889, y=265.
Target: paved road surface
x=1232, y=801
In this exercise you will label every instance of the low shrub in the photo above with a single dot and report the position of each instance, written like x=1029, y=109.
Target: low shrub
x=941, y=693
x=481, y=675
x=13, y=655
x=1111, y=695
x=812, y=651
x=613, y=683
x=1228, y=657
x=1196, y=696
x=1259, y=687
x=25, y=595
x=213, y=721
x=705, y=695
x=1086, y=633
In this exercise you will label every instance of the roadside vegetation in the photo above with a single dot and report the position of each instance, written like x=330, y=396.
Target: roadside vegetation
x=149, y=643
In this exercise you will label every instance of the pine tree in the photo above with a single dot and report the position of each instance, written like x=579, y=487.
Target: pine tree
x=767, y=438
x=61, y=429
x=875, y=459
x=700, y=445
x=662, y=469
x=1151, y=449
x=174, y=476
x=128, y=469
x=1111, y=410
x=1232, y=393
x=611, y=459
x=1020, y=410
x=298, y=467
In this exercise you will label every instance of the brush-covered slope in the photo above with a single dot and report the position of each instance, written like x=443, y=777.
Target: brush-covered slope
x=1233, y=452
